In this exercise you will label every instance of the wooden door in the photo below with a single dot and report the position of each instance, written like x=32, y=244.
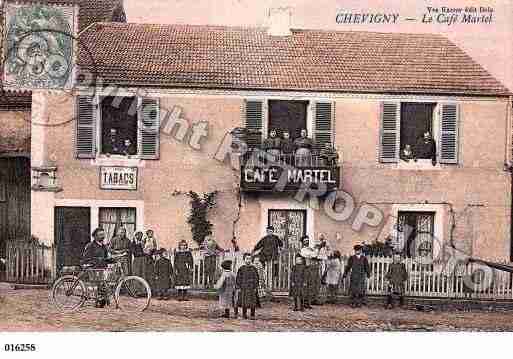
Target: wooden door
x=72, y=233
x=14, y=200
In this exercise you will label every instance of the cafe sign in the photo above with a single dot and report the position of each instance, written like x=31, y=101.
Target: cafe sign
x=118, y=178
x=271, y=178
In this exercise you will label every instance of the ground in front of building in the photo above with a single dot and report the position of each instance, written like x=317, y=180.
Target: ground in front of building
x=30, y=310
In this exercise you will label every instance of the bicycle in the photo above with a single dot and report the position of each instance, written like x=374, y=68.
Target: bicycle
x=71, y=292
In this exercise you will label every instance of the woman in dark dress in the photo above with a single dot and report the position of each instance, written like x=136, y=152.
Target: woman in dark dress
x=359, y=267
x=183, y=266
x=138, y=253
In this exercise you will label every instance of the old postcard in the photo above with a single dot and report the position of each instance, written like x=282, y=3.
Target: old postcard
x=255, y=166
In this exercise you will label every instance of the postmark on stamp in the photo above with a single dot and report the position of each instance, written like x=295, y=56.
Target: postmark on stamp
x=38, y=48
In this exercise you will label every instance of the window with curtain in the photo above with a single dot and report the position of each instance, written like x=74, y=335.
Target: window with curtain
x=113, y=218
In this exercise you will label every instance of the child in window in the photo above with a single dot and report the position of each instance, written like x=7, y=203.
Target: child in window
x=407, y=153
x=128, y=148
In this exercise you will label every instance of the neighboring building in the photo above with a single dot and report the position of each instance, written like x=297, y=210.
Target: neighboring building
x=368, y=94
x=15, y=129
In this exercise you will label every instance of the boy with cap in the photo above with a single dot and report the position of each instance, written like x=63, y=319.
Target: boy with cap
x=359, y=267
x=226, y=288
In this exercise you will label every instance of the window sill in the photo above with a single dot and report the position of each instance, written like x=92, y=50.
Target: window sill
x=117, y=161
x=420, y=165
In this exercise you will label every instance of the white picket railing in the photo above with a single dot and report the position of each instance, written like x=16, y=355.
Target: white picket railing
x=434, y=280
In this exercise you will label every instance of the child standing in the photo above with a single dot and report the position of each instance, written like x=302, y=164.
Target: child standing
x=333, y=274
x=298, y=283
x=183, y=266
x=397, y=275
x=247, y=285
x=226, y=288
x=163, y=274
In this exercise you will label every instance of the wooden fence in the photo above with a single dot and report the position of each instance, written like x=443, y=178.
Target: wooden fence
x=33, y=263
x=30, y=263
x=424, y=280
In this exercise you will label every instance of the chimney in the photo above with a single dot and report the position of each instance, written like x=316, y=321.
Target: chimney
x=280, y=21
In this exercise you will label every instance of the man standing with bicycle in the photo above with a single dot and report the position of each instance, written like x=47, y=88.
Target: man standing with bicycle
x=97, y=256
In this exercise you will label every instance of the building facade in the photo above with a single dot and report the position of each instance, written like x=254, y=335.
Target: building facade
x=156, y=120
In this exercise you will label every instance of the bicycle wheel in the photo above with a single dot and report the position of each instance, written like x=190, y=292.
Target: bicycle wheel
x=68, y=293
x=133, y=294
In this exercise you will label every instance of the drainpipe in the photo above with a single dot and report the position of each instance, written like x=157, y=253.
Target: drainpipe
x=509, y=167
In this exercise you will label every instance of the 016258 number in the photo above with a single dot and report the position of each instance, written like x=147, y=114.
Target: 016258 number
x=19, y=347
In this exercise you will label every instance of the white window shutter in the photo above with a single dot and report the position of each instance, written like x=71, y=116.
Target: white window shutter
x=448, y=139
x=85, y=142
x=253, y=118
x=390, y=132
x=149, y=129
x=324, y=122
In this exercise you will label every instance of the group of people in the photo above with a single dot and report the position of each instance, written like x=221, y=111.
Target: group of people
x=318, y=265
x=141, y=256
x=298, y=151
x=114, y=144
x=425, y=148
x=314, y=266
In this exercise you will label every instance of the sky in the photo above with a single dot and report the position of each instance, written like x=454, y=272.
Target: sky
x=491, y=45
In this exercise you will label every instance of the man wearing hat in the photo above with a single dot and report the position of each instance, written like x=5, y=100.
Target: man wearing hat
x=313, y=271
x=96, y=255
x=270, y=246
x=359, y=267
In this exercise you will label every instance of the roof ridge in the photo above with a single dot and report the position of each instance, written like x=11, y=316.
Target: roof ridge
x=256, y=27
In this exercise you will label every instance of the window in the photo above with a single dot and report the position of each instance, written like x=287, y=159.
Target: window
x=415, y=231
x=119, y=126
x=289, y=116
x=416, y=122
x=422, y=131
x=317, y=117
x=113, y=218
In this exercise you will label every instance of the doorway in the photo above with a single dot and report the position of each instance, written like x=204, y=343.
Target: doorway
x=14, y=204
x=289, y=225
x=72, y=233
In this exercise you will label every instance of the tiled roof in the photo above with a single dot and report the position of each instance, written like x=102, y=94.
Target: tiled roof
x=309, y=60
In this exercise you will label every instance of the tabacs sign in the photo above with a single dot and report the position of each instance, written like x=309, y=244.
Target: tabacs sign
x=121, y=178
